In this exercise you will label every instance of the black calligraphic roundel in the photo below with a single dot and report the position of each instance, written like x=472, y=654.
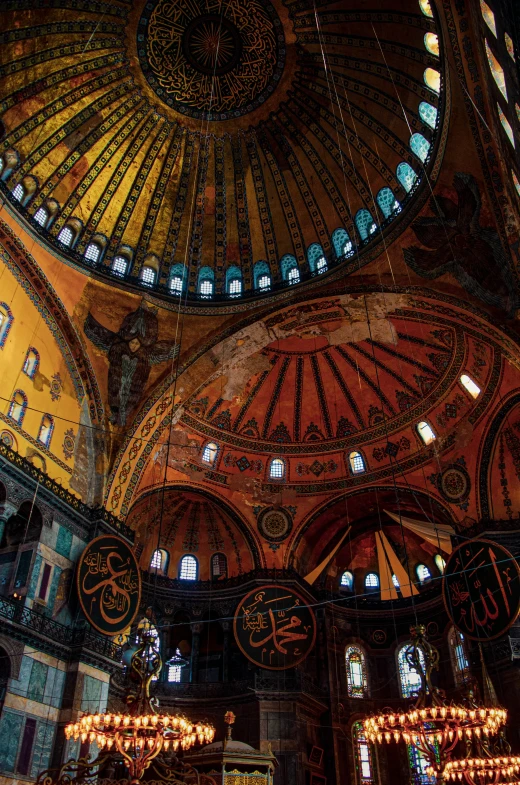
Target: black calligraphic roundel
x=109, y=584
x=481, y=589
x=274, y=627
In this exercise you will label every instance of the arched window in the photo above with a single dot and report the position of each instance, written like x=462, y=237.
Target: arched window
x=506, y=125
x=209, y=453
x=18, y=406
x=289, y=268
x=342, y=243
x=347, y=581
x=234, y=281
x=423, y=573
x=6, y=320
x=46, y=429
x=19, y=192
x=419, y=764
x=509, y=46
x=372, y=581
x=459, y=656
x=395, y=581
x=41, y=216
x=92, y=252
x=148, y=275
x=516, y=182
x=440, y=563
x=426, y=8
x=31, y=362
x=469, y=384
x=262, y=276
x=189, y=568
x=431, y=42
x=432, y=79
x=365, y=224
x=428, y=114
x=356, y=463
x=177, y=279
x=175, y=666
x=119, y=265
x=356, y=672
x=406, y=176
x=409, y=679
x=426, y=433
x=219, y=565
x=277, y=469
x=489, y=17
x=497, y=70
x=387, y=202
x=316, y=258
x=363, y=755
x=206, y=285
x=159, y=561
x=420, y=146
x=66, y=236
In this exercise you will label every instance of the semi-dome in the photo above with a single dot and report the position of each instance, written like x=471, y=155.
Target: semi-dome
x=215, y=153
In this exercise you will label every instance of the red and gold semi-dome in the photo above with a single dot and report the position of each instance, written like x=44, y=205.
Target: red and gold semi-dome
x=251, y=137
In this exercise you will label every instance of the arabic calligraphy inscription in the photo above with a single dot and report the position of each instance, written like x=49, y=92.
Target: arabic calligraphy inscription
x=274, y=627
x=481, y=589
x=109, y=584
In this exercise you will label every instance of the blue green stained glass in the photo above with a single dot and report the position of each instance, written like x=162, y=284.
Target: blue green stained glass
x=315, y=256
x=408, y=676
x=342, y=242
x=387, y=202
x=428, y=114
x=406, y=176
x=420, y=146
x=287, y=263
x=418, y=765
x=260, y=269
x=364, y=223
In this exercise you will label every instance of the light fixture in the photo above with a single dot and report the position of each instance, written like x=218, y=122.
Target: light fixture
x=432, y=724
x=140, y=734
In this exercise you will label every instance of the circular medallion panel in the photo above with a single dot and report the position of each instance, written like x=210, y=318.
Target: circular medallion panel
x=481, y=589
x=274, y=627
x=274, y=525
x=109, y=584
x=202, y=58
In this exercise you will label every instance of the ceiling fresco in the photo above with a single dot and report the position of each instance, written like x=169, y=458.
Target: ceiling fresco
x=168, y=133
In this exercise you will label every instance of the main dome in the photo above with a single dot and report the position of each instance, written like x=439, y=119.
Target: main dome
x=219, y=152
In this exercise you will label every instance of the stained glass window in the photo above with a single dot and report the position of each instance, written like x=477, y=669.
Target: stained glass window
x=428, y=114
x=431, y=42
x=363, y=755
x=264, y=283
x=31, y=363
x=432, y=79
x=509, y=45
x=387, y=202
x=210, y=453
x=148, y=275
x=409, y=679
x=18, y=406
x=469, y=384
x=439, y=561
x=262, y=276
x=420, y=146
x=66, y=236
x=277, y=469
x=372, y=580
x=497, y=71
x=423, y=573
x=342, y=242
x=234, y=281
x=418, y=765
x=206, y=287
x=347, y=580
x=506, y=125
x=6, y=320
x=426, y=8
x=406, y=176
x=459, y=656
x=289, y=268
x=41, y=216
x=219, y=565
x=206, y=279
x=357, y=464
x=189, y=568
x=46, y=429
x=365, y=224
x=316, y=258
x=489, y=17
x=119, y=265
x=176, y=284
x=293, y=275
x=356, y=672
x=426, y=433
x=159, y=561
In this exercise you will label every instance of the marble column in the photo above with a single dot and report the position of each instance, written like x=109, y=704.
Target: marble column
x=6, y=510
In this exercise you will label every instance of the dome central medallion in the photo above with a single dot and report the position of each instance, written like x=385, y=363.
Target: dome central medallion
x=209, y=61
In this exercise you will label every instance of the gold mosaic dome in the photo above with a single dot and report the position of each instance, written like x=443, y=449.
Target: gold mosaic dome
x=219, y=152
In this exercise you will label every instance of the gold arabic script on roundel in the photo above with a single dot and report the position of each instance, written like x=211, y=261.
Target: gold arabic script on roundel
x=202, y=58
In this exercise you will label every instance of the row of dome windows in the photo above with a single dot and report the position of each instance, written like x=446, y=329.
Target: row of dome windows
x=371, y=581
x=188, y=569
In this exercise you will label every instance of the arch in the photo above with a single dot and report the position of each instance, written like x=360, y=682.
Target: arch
x=432, y=79
x=469, y=385
x=406, y=176
x=431, y=43
x=439, y=563
x=9, y=161
x=262, y=276
x=18, y=406
x=506, y=125
x=496, y=70
x=488, y=16
x=425, y=432
x=206, y=282
x=122, y=261
x=423, y=574
x=289, y=268
x=409, y=680
x=347, y=581
x=46, y=213
x=365, y=224
x=428, y=114
x=387, y=202
x=233, y=281
x=69, y=233
x=24, y=191
x=342, y=243
x=355, y=664
x=159, y=561
x=218, y=566
x=188, y=568
x=426, y=8
x=372, y=581
x=459, y=657
x=487, y=453
x=363, y=755
x=46, y=429
x=25, y=525
x=420, y=146
x=316, y=258
x=31, y=363
x=277, y=469
x=356, y=462
x=210, y=452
